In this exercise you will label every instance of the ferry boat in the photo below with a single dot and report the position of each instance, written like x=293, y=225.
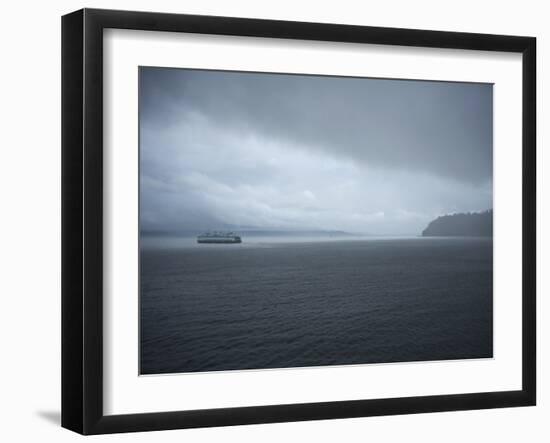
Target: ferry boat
x=218, y=237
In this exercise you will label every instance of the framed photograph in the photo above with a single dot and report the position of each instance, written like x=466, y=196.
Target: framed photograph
x=268, y=221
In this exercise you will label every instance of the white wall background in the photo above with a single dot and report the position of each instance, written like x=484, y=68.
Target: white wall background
x=30, y=219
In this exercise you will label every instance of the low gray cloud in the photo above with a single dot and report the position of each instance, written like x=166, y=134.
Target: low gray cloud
x=286, y=151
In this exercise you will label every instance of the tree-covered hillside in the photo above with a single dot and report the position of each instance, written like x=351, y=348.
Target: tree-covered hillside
x=475, y=224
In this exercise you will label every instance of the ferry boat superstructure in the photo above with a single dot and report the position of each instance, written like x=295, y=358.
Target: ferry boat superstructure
x=219, y=237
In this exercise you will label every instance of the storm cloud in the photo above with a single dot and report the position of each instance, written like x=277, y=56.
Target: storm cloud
x=228, y=149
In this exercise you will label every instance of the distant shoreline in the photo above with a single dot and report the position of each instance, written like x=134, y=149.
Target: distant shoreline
x=471, y=224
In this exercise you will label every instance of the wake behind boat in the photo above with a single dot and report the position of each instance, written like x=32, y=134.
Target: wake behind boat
x=218, y=237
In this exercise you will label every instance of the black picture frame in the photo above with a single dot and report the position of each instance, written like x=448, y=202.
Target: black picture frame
x=82, y=218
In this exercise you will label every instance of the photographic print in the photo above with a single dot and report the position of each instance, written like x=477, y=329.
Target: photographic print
x=291, y=220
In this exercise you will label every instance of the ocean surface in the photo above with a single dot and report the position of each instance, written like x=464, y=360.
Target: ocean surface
x=280, y=303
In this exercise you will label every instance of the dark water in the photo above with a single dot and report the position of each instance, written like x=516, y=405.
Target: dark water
x=275, y=305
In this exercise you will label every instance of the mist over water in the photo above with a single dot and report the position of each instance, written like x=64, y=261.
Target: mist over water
x=255, y=241
x=274, y=304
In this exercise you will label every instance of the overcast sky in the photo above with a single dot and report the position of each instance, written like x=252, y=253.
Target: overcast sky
x=234, y=150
